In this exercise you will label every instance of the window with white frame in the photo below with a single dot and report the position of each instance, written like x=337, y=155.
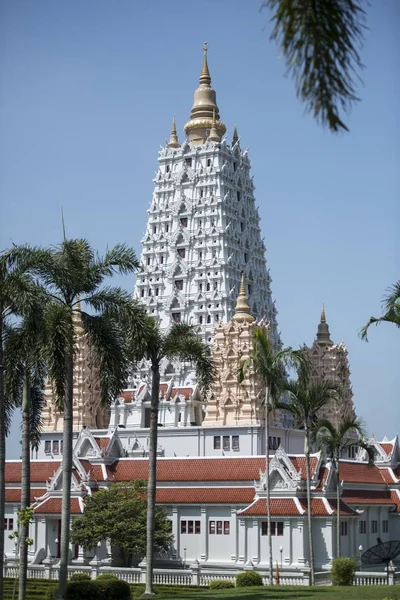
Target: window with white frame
x=385, y=526
x=363, y=527
x=374, y=526
x=343, y=528
x=219, y=527
x=190, y=527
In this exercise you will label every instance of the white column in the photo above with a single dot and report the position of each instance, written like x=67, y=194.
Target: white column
x=175, y=529
x=234, y=535
x=242, y=545
x=204, y=534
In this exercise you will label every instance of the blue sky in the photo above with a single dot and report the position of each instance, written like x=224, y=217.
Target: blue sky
x=87, y=93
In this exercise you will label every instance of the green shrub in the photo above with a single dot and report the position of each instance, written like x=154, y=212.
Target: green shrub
x=343, y=570
x=112, y=588
x=105, y=576
x=82, y=590
x=80, y=577
x=221, y=584
x=248, y=578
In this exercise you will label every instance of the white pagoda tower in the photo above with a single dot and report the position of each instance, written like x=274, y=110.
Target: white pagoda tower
x=203, y=228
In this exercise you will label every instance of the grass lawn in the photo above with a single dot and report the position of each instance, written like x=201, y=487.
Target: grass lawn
x=292, y=593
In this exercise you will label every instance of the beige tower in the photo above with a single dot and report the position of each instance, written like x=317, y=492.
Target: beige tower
x=330, y=361
x=87, y=408
x=231, y=402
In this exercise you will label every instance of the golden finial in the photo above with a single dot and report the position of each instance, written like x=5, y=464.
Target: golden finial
x=242, y=310
x=323, y=319
x=173, y=139
x=214, y=135
x=235, y=138
x=205, y=77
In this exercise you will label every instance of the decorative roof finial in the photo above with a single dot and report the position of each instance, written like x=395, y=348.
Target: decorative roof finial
x=323, y=319
x=204, y=104
x=214, y=135
x=242, y=310
x=205, y=77
x=173, y=140
x=323, y=335
x=235, y=138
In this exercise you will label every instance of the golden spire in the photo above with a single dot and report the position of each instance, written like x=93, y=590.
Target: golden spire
x=173, y=139
x=235, y=138
x=205, y=77
x=204, y=105
x=242, y=310
x=323, y=319
x=214, y=135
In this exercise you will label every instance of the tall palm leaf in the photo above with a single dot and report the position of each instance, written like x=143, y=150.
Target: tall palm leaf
x=306, y=399
x=391, y=305
x=182, y=343
x=73, y=275
x=17, y=294
x=333, y=442
x=24, y=383
x=270, y=368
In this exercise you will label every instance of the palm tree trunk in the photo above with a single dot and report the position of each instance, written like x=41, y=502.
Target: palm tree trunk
x=67, y=474
x=337, y=511
x=25, y=489
x=2, y=454
x=271, y=577
x=152, y=480
x=309, y=510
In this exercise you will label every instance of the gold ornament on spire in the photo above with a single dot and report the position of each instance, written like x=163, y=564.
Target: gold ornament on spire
x=214, y=136
x=173, y=139
x=204, y=105
x=323, y=318
x=205, y=76
x=242, y=310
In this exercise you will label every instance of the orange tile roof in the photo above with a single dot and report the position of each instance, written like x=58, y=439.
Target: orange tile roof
x=96, y=471
x=41, y=471
x=127, y=395
x=182, y=391
x=53, y=506
x=367, y=497
x=388, y=448
x=14, y=494
x=279, y=507
x=319, y=509
x=102, y=442
x=387, y=476
x=209, y=495
x=322, y=476
x=163, y=388
x=356, y=472
x=299, y=463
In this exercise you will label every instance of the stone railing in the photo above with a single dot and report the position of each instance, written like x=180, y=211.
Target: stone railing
x=197, y=574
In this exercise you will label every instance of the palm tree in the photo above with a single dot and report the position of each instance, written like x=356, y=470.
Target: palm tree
x=17, y=294
x=182, y=343
x=72, y=275
x=24, y=383
x=333, y=442
x=391, y=304
x=306, y=399
x=270, y=369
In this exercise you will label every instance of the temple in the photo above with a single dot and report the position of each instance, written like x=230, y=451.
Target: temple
x=203, y=263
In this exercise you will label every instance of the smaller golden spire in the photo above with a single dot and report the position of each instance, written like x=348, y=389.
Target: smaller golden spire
x=242, y=310
x=235, y=138
x=173, y=139
x=205, y=77
x=214, y=135
x=323, y=318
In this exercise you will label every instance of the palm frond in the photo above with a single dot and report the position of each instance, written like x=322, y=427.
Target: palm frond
x=320, y=42
x=108, y=346
x=59, y=328
x=182, y=342
x=121, y=259
x=391, y=305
